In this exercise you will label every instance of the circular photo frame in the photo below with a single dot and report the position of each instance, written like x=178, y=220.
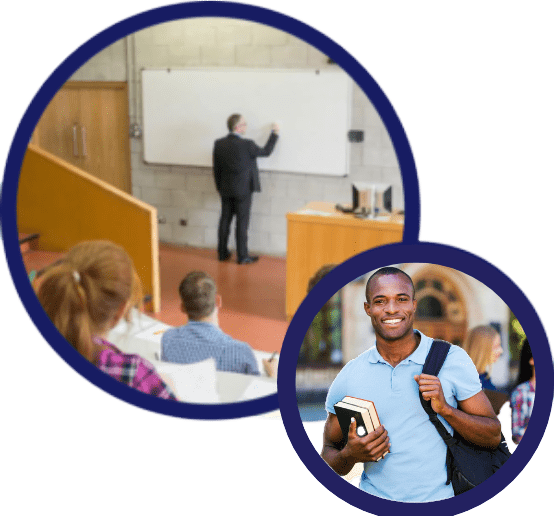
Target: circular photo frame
x=420, y=253
x=64, y=72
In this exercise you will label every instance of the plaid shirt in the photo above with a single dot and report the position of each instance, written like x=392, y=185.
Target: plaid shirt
x=132, y=370
x=521, y=402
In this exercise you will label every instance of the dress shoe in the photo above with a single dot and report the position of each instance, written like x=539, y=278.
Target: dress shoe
x=224, y=258
x=248, y=259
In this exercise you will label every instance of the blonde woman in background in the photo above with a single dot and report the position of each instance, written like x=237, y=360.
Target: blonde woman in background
x=484, y=348
x=85, y=294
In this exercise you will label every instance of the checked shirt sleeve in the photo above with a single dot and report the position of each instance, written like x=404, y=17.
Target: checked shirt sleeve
x=147, y=380
x=522, y=404
x=134, y=371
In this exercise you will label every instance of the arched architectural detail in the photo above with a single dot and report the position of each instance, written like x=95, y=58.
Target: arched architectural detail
x=443, y=310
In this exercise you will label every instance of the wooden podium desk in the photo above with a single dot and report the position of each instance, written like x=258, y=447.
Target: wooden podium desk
x=318, y=235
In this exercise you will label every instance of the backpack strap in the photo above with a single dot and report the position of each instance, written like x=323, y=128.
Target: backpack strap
x=436, y=357
x=433, y=364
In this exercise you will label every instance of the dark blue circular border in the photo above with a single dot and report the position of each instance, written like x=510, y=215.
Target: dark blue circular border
x=64, y=72
x=415, y=253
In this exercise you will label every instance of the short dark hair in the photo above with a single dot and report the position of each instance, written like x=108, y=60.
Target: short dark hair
x=197, y=291
x=232, y=121
x=525, y=368
x=319, y=275
x=388, y=271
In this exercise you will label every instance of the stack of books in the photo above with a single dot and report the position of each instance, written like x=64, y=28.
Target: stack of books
x=363, y=411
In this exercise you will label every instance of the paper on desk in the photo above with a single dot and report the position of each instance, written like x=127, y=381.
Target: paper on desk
x=154, y=333
x=309, y=211
x=260, y=387
x=138, y=322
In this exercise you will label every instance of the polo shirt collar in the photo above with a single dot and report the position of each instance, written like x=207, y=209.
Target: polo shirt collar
x=417, y=357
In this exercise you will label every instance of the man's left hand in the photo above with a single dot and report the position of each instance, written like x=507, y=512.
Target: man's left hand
x=431, y=389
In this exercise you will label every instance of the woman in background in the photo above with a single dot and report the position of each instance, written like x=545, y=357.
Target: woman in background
x=85, y=294
x=523, y=396
x=484, y=348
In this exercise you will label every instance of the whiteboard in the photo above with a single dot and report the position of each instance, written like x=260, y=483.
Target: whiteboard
x=186, y=110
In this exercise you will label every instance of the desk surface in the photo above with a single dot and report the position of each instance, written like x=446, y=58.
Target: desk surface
x=326, y=213
x=143, y=334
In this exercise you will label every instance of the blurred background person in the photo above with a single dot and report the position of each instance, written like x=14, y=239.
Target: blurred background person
x=483, y=346
x=322, y=342
x=523, y=396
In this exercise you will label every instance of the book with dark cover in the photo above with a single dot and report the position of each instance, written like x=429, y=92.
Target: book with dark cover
x=363, y=411
x=369, y=405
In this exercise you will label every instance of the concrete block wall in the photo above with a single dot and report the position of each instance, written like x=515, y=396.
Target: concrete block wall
x=188, y=193
x=109, y=64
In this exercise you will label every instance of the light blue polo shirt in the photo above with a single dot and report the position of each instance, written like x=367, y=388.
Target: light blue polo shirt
x=415, y=468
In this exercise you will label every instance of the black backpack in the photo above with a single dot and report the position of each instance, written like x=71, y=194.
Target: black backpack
x=467, y=464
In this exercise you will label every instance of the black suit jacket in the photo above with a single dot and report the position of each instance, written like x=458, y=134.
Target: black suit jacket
x=236, y=171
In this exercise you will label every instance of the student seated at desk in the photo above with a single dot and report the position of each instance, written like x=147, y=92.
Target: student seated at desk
x=201, y=337
x=85, y=294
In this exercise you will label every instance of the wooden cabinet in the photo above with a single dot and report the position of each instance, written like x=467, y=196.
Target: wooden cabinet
x=86, y=124
x=320, y=235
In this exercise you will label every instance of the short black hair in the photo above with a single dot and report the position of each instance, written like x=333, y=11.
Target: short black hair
x=388, y=271
x=232, y=121
x=319, y=275
x=525, y=368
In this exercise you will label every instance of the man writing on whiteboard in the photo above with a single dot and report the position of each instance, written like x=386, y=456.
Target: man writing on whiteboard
x=236, y=177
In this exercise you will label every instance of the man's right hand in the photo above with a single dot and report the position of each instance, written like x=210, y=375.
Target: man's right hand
x=369, y=448
x=275, y=128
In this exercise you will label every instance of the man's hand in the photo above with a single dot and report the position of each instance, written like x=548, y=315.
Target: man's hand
x=431, y=389
x=270, y=366
x=275, y=128
x=369, y=448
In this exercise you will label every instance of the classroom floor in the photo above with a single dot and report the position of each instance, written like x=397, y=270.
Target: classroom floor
x=253, y=296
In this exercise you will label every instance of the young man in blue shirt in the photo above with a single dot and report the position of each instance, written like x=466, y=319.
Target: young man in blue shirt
x=389, y=374
x=201, y=337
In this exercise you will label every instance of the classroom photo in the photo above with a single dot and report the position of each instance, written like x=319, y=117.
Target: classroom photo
x=178, y=194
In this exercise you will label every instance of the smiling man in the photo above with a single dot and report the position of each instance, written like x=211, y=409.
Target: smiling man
x=389, y=374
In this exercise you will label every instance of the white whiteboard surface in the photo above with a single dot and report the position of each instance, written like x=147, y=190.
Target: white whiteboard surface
x=185, y=111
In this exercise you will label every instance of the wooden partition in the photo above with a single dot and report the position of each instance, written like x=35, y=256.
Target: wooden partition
x=66, y=205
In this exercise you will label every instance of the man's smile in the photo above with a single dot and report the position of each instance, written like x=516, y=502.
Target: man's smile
x=391, y=321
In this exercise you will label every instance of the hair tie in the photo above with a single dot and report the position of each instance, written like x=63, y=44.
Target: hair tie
x=76, y=276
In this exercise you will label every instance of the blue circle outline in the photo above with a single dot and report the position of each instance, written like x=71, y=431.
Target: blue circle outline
x=64, y=71
x=421, y=252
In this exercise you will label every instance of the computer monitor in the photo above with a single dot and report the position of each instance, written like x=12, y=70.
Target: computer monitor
x=371, y=198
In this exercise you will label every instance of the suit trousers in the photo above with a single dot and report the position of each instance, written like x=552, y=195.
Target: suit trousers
x=239, y=207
